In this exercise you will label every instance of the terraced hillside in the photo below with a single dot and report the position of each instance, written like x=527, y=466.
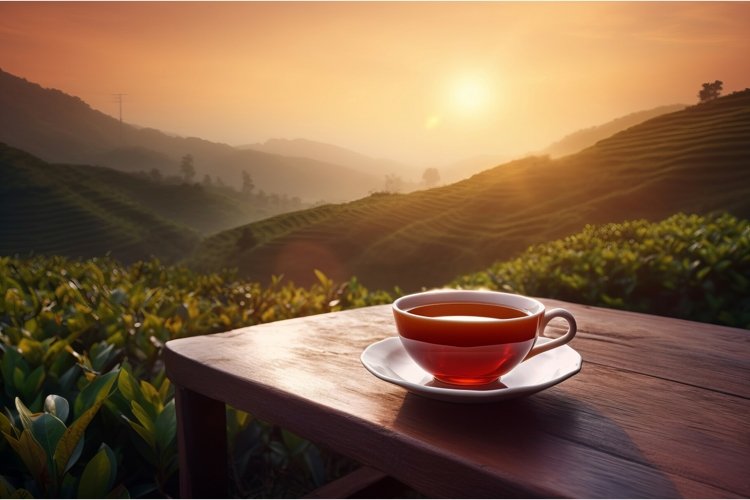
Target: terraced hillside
x=64, y=210
x=696, y=160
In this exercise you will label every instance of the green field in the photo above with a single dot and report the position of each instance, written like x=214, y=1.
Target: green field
x=696, y=160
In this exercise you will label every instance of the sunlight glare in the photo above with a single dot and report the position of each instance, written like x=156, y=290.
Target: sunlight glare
x=470, y=95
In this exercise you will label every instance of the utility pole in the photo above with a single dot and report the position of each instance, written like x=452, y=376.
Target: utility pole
x=118, y=99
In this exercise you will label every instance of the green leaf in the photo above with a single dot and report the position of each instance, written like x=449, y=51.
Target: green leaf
x=19, y=378
x=99, y=475
x=322, y=278
x=24, y=414
x=152, y=397
x=127, y=385
x=143, y=432
x=67, y=451
x=7, y=427
x=166, y=426
x=57, y=406
x=11, y=357
x=31, y=454
x=69, y=486
x=97, y=390
x=47, y=430
x=101, y=355
x=294, y=443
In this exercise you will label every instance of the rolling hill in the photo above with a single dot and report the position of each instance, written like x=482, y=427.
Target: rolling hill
x=577, y=141
x=696, y=160
x=58, y=209
x=329, y=153
x=60, y=128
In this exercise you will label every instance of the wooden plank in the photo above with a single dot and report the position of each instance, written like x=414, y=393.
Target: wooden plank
x=606, y=432
x=349, y=485
x=202, y=445
x=711, y=356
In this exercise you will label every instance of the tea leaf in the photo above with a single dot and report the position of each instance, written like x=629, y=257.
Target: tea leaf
x=99, y=475
x=67, y=452
x=47, y=430
x=58, y=406
x=96, y=390
x=24, y=414
x=166, y=426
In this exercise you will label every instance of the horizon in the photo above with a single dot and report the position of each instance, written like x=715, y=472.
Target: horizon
x=381, y=79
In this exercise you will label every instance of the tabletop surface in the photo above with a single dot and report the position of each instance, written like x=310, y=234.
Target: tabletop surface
x=660, y=407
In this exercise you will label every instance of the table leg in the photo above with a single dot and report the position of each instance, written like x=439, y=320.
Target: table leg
x=202, y=445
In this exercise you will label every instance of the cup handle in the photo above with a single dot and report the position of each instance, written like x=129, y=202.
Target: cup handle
x=564, y=339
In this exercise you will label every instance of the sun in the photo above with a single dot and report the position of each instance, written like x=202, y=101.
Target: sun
x=470, y=95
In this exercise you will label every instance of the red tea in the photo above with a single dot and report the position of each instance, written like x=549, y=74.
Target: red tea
x=476, y=311
x=464, y=343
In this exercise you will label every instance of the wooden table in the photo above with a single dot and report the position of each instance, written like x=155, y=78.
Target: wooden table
x=659, y=409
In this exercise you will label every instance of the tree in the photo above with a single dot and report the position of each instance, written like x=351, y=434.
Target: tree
x=155, y=175
x=431, y=177
x=710, y=91
x=207, y=181
x=393, y=183
x=247, y=183
x=187, y=168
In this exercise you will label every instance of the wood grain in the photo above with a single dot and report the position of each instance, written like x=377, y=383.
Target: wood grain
x=638, y=421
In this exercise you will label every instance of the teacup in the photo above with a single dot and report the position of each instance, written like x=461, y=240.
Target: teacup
x=473, y=337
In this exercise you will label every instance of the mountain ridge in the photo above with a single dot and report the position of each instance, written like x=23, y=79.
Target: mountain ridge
x=60, y=128
x=696, y=160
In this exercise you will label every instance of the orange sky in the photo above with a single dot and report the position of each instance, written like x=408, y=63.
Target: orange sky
x=418, y=82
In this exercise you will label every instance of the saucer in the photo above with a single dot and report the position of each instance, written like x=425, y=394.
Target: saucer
x=389, y=361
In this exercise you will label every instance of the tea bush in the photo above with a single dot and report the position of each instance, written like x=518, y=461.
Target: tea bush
x=88, y=409
x=687, y=266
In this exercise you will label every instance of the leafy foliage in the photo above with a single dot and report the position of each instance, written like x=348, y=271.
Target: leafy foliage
x=687, y=266
x=82, y=342
x=88, y=410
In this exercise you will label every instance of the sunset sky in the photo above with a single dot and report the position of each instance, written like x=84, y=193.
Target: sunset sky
x=425, y=83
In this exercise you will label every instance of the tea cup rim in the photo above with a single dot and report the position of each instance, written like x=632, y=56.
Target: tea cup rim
x=535, y=308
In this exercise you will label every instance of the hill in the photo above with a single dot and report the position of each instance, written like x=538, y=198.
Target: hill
x=61, y=209
x=329, y=153
x=60, y=128
x=582, y=139
x=696, y=160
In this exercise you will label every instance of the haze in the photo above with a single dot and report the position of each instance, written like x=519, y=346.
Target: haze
x=424, y=83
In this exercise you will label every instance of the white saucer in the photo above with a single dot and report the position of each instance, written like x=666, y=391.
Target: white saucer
x=388, y=361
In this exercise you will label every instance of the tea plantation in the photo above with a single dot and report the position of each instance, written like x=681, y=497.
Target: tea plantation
x=89, y=412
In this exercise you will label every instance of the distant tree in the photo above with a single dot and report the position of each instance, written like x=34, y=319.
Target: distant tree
x=187, y=168
x=431, y=177
x=393, y=183
x=155, y=175
x=710, y=91
x=247, y=183
x=207, y=181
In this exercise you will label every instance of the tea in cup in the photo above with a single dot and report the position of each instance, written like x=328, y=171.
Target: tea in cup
x=473, y=337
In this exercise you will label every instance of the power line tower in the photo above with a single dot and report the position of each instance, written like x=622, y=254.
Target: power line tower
x=118, y=100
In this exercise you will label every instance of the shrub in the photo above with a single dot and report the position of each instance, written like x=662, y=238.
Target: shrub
x=88, y=410
x=87, y=336
x=687, y=266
